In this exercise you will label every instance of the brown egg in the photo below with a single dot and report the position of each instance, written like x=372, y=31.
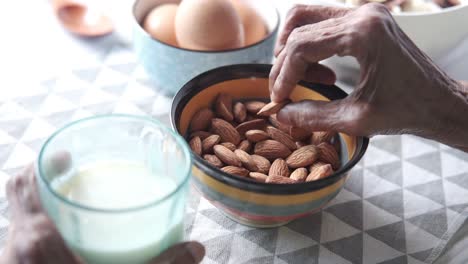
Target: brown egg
x=208, y=25
x=254, y=27
x=159, y=23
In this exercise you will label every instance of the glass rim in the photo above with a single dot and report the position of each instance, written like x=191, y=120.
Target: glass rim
x=179, y=140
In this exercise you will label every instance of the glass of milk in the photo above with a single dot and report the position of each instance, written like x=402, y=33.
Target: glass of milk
x=116, y=187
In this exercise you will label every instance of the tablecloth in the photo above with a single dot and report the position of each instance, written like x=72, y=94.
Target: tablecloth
x=402, y=203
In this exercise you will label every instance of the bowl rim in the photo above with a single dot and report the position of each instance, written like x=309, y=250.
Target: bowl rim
x=442, y=11
x=271, y=34
x=240, y=71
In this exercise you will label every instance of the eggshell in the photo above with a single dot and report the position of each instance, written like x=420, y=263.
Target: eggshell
x=254, y=27
x=208, y=25
x=159, y=23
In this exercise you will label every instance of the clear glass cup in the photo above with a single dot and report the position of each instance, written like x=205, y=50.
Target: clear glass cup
x=131, y=234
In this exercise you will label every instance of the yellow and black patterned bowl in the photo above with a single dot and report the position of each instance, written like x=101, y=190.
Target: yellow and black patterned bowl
x=244, y=200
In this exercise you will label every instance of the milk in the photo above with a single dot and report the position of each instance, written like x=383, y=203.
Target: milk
x=133, y=237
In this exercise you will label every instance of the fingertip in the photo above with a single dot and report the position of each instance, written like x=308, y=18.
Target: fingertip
x=197, y=251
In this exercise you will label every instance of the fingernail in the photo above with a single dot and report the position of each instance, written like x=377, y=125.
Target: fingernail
x=196, y=250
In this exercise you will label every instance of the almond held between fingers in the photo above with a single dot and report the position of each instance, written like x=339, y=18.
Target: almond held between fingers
x=239, y=171
x=246, y=160
x=209, y=142
x=262, y=163
x=256, y=135
x=329, y=155
x=271, y=149
x=226, y=156
x=283, y=127
x=250, y=125
x=272, y=108
x=245, y=145
x=299, y=174
x=282, y=137
x=240, y=113
x=303, y=157
x=213, y=160
x=223, y=107
x=258, y=176
x=229, y=145
x=320, y=172
x=279, y=167
x=321, y=136
x=201, y=134
x=279, y=180
x=225, y=130
x=254, y=106
x=196, y=145
x=201, y=120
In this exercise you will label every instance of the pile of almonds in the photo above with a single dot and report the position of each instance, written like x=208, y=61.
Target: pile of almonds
x=246, y=139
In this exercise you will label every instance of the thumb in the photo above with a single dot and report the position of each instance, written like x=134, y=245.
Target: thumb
x=184, y=253
x=314, y=115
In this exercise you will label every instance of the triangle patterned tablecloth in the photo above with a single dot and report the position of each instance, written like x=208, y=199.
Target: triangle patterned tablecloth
x=403, y=202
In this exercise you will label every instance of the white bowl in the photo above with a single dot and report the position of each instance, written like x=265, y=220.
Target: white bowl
x=436, y=33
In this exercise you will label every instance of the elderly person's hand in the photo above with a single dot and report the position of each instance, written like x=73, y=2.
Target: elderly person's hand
x=34, y=239
x=400, y=90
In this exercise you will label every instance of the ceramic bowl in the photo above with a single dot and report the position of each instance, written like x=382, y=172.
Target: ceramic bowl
x=242, y=199
x=171, y=67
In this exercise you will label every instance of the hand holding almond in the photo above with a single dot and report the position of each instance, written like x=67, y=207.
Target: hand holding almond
x=401, y=90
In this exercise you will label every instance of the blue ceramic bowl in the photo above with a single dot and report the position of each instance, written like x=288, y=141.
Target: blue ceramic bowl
x=171, y=67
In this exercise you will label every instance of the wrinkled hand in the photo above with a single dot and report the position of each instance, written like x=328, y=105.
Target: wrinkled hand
x=400, y=89
x=34, y=239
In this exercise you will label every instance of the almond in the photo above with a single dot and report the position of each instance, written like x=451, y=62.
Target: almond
x=209, y=142
x=201, y=119
x=213, y=160
x=235, y=171
x=299, y=134
x=246, y=160
x=300, y=144
x=271, y=149
x=300, y=174
x=316, y=165
x=256, y=135
x=258, y=176
x=279, y=180
x=329, y=155
x=282, y=137
x=249, y=125
x=274, y=121
x=225, y=130
x=223, y=107
x=245, y=145
x=240, y=113
x=320, y=172
x=196, y=145
x=272, y=108
x=254, y=106
x=226, y=156
x=302, y=157
x=229, y=145
x=262, y=163
x=321, y=136
x=279, y=167
x=201, y=134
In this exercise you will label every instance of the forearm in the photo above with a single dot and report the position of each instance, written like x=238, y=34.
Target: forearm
x=453, y=128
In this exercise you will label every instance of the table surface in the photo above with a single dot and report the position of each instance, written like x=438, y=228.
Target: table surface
x=402, y=204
